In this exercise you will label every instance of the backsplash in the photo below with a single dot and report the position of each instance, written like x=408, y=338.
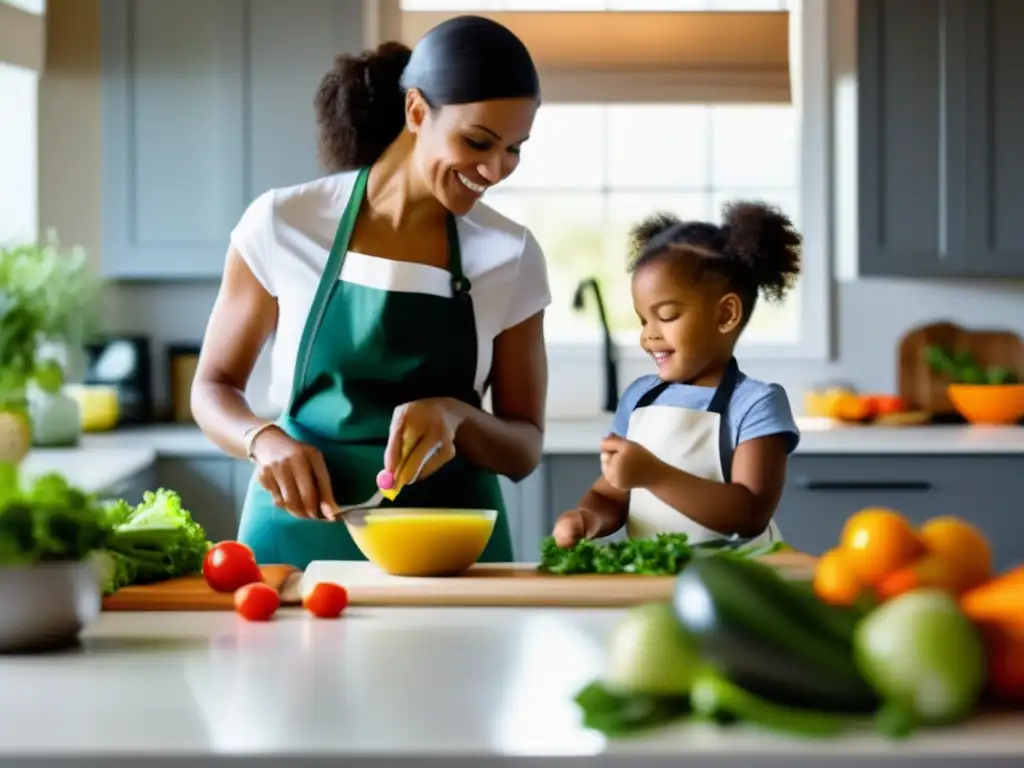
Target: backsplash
x=870, y=318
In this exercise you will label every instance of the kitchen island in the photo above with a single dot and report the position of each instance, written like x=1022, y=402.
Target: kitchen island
x=467, y=687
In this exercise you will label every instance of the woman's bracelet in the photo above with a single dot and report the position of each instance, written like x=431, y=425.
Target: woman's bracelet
x=250, y=437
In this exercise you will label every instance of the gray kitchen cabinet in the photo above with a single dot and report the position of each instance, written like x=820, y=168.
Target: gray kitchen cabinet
x=823, y=491
x=132, y=488
x=205, y=106
x=527, y=513
x=940, y=138
x=206, y=487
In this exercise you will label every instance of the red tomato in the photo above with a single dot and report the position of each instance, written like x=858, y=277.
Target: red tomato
x=326, y=600
x=257, y=601
x=230, y=565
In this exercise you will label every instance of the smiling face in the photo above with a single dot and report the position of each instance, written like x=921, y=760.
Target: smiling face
x=688, y=326
x=462, y=150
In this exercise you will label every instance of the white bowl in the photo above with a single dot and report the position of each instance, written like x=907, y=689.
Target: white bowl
x=46, y=606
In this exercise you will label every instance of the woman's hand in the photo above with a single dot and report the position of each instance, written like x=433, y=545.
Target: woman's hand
x=294, y=474
x=417, y=428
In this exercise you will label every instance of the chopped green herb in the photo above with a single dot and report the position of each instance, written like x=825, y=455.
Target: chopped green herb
x=665, y=555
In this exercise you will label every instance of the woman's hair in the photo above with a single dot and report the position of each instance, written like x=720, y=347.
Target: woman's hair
x=360, y=104
x=756, y=250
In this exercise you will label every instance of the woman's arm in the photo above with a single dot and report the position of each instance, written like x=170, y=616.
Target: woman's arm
x=745, y=505
x=510, y=441
x=244, y=315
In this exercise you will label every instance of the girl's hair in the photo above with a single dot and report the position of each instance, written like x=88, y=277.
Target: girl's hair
x=360, y=104
x=756, y=250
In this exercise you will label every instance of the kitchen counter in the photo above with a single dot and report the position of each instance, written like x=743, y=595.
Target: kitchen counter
x=102, y=459
x=468, y=687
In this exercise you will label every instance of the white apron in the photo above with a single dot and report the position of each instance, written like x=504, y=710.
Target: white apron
x=697, y=442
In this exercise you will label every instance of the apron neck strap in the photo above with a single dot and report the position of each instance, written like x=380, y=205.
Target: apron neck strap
x=460, y=283
x=723, y=392
x=719, y=400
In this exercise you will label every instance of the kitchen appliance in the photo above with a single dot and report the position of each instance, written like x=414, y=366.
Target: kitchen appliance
x=182, y=361
x=123, y=363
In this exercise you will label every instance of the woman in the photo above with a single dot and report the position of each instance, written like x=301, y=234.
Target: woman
x=395, y=297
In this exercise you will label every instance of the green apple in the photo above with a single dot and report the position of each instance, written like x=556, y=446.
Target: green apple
x=918, y=650
x=649, y=652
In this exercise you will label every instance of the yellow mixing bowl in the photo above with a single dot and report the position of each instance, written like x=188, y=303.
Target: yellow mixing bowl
x=423, y=542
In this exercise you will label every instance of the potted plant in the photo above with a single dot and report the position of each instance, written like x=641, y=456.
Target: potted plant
x=982, y=394
x=48, y=306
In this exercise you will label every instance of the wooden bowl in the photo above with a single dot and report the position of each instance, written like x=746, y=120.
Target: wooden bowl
x=988, y=403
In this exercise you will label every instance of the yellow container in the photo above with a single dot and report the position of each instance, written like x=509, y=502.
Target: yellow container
x=423, y=542
x=99, y=405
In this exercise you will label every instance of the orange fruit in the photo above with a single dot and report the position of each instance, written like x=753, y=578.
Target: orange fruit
x=964, y=548
x=878, y=542
x=927, y=572
x=834, y=579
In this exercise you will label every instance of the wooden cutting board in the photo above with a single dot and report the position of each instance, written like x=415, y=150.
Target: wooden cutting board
x=505, y=585
x=923, y=389
x=187, y=594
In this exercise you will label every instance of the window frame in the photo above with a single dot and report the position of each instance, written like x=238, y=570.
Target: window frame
x=811, y=78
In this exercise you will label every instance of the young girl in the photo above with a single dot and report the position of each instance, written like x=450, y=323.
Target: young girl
x=698, y=448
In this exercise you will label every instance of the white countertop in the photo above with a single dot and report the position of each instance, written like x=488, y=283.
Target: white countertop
x=476, y=687
x=101, y=460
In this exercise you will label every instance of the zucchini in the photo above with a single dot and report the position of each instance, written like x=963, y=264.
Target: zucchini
x=758, y=631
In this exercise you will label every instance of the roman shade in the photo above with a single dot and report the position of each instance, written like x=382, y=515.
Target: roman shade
x=638, y=56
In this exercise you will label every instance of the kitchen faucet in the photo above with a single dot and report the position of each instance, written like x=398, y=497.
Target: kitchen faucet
x=611, y=375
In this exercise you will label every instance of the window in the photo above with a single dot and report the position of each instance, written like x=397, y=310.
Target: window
x=591, y=170
x=37, y=7
x=18, y=162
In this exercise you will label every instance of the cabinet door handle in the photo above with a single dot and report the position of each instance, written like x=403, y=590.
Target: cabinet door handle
x=863, y=485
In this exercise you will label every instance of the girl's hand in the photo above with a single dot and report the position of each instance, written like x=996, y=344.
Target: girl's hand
x=416, y=429
x=569, y=529
x=294, y=474
x=625, y=464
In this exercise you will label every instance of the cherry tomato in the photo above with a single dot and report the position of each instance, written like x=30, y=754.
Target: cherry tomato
x=326, y=600
x=257, y=601
x=230, y=565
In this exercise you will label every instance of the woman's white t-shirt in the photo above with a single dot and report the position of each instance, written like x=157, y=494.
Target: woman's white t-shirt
x=285, y=237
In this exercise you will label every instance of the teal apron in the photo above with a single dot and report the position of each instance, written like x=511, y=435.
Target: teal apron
x=364, y=352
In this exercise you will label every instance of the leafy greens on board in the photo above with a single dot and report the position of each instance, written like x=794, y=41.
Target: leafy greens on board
x=664, y=555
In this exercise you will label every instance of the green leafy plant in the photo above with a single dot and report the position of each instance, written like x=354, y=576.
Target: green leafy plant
x=960, y=367
x=47, y=295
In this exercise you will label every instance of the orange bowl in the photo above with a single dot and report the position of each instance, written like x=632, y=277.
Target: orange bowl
x=988, y=403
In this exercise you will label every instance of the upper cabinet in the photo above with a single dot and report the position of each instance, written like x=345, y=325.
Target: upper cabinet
x=205, y=106
x=941, y=138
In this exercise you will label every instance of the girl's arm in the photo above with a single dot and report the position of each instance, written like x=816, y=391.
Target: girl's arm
x=744, y=506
